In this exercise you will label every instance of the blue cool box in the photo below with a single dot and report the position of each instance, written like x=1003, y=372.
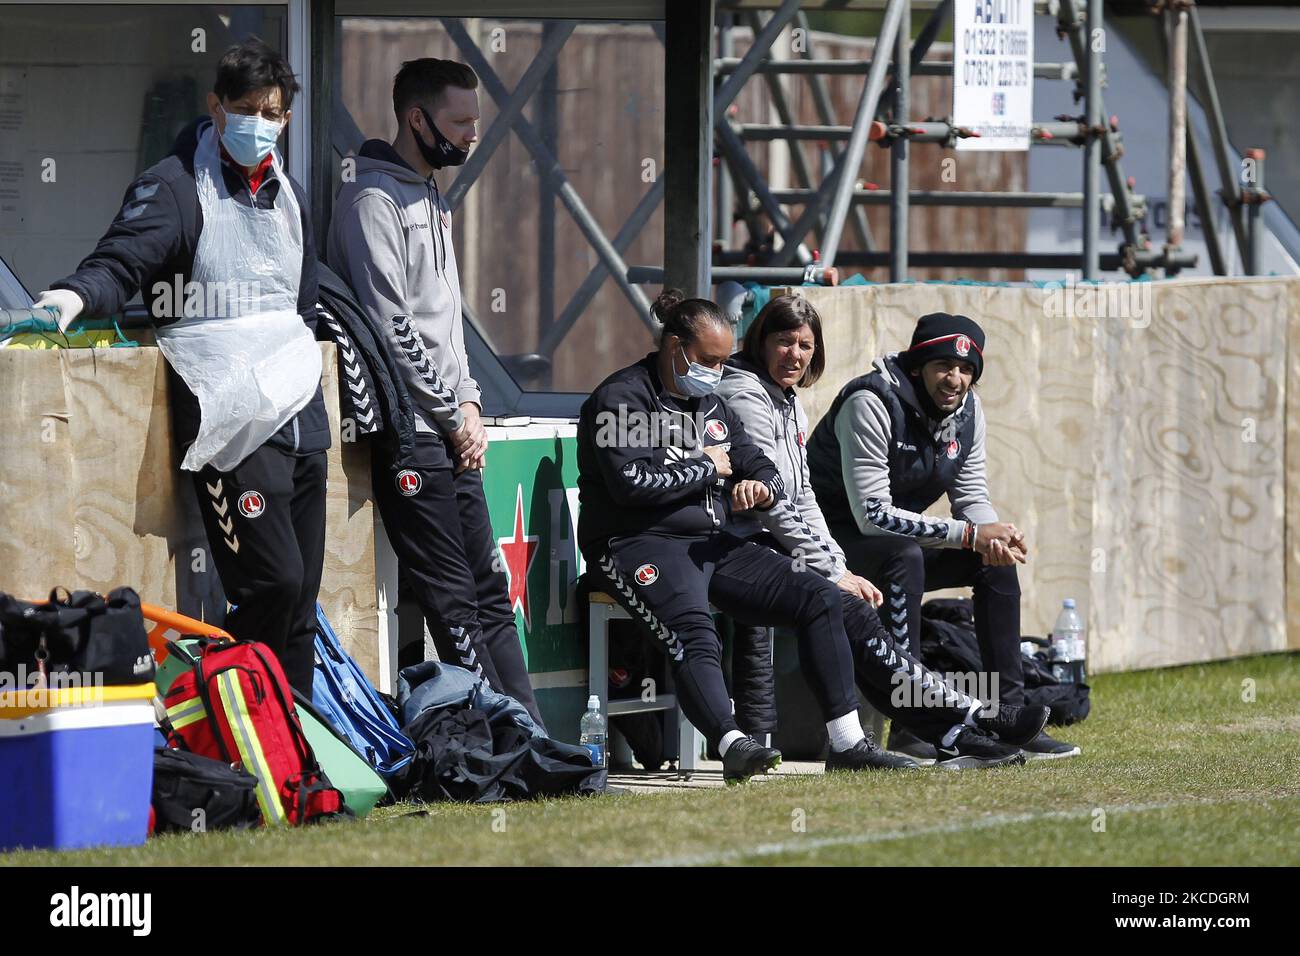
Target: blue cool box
x=77, y=767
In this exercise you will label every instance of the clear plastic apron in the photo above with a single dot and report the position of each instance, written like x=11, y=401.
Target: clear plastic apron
x=249, y=359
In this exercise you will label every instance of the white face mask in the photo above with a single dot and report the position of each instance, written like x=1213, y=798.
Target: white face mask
x=698, y=381
x=248, y=139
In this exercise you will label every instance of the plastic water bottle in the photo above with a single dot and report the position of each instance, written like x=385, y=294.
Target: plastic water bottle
x=1068, y=648
x=592, y=731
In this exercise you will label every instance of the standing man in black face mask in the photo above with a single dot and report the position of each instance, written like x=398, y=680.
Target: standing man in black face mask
x=390, y=240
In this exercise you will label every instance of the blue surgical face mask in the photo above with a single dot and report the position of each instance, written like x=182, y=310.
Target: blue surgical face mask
x=249, y=138
x=698, y=381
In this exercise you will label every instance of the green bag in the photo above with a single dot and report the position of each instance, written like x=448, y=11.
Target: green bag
x=346, y=769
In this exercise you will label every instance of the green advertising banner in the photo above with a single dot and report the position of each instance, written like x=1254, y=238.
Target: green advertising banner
x=531, y=486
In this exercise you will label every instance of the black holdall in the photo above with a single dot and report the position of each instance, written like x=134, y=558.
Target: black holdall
x=81, y=632
x=949, y=645
x=193, y=793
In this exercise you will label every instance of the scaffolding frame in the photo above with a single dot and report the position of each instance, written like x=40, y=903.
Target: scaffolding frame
x=882, y=116
x=701, y=134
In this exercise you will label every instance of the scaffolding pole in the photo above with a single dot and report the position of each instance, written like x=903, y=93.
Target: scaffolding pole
x=811, y=67
x=768, y=275
x=1042, y=132
x=1230, y=188
x=1092, y=149
x=822, y=103
x=1075, y=27
x=1003, y=260
x=724, y=194
x=898, y=178
x=1201, y=192
x=881, y=197
x=925, y=39
x=851, y=161
x=1196, y=173
x=1177, y=77
x=1254, y=196
x=776, y=91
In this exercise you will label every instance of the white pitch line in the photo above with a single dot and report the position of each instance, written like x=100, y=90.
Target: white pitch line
x=984, y=823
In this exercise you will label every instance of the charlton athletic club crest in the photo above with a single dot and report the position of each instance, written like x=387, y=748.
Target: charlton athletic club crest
x=647, y=574
x=716, y=429
x=962, y=345
x=251, y=504
x=408, y=482
x=954, y=449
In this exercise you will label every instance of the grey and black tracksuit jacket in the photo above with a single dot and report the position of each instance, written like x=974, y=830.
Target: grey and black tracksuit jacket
x=879, y=458
x=775, y=418
x=656, y=529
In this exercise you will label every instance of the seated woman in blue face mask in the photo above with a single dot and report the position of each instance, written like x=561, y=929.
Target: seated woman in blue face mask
x=783, y=349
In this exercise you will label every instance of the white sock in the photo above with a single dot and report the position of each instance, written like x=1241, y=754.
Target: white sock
x=951, y=736
x=971, y=714
x=729, y=738
x=845, y=732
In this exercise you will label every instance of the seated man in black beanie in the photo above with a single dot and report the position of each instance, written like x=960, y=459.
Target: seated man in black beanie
x=894, y=441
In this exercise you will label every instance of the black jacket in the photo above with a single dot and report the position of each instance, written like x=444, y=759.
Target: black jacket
x=371, y=391
x=153, y=240
x=640, y=468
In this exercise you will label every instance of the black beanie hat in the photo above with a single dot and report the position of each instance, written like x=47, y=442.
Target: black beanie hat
x=943, y=335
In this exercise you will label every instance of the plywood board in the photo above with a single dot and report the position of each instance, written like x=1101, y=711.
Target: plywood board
x=91, y=495
x=1139, y=444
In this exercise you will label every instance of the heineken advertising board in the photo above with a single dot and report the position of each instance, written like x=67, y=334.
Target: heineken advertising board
x=532, y=492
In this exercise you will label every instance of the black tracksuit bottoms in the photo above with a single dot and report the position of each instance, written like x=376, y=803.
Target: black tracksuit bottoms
x=438, y=525
x=893, y=681
x=265, y=521
x=667, y=583
x=904, y=571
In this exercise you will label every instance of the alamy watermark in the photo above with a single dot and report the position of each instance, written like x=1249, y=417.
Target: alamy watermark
x=42, y=689
x=634, y=428
x=179, y=299
x=1124, y=301
x=910, y=693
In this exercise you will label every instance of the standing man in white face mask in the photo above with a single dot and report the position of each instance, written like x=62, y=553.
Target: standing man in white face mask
x=390, y=240
x=218, y=239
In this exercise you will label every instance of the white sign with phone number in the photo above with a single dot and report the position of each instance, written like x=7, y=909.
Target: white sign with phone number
x=993, y=72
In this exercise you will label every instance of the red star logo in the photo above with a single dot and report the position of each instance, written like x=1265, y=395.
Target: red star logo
x=518, y=553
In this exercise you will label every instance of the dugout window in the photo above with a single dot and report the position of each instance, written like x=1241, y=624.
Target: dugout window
x=91, y=95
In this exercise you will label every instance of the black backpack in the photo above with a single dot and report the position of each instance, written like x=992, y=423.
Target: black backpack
x=82, y=632
x=193, y=793
x=949, y=645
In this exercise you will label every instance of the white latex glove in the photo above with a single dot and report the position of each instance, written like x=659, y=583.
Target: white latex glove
x=67, y=302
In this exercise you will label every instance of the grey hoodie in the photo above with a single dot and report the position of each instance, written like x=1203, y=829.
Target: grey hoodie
x=390, y=240
x=865, y=435
x=776, y=422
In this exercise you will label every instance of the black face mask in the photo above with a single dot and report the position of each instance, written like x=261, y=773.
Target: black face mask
x=443, y=152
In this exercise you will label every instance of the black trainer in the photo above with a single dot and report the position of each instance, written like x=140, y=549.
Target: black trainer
x=747, y=757
x=865, y=755
x=903, y=741
x=972, y=750
x=1044, y=747
x=1014, y=724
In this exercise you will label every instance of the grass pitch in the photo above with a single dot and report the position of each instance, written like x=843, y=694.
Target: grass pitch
x=1179, y=767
